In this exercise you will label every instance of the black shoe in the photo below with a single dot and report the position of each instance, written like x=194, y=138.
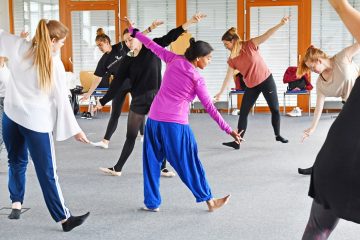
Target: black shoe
x=74, y=221
x=305, y=171
x=281, y=139
x=15, y=214
x=83, y=115
x=88, y=116
x=232, y=144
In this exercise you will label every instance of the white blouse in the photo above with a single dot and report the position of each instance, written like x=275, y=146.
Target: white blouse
x=4, y=79
x=25, y=103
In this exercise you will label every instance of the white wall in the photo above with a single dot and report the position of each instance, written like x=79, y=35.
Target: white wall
x=4, y=15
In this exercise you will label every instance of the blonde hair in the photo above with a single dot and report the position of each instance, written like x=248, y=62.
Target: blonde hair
x=312, y=54
x=232, y=36
x=41, y=50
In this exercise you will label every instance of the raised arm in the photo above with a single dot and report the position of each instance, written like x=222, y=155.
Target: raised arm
x=349, y=15
x=173, y=34
x=262, y=38
x=158, y=50
x=228, y=77
x=352, y=51
x=320, y=100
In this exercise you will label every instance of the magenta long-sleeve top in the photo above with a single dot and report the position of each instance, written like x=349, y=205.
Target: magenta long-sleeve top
x=181, y=83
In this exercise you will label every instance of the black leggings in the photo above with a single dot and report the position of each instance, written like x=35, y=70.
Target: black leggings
x=116, y=107
x=135, y=121
x=321, y=223
x=268, y=89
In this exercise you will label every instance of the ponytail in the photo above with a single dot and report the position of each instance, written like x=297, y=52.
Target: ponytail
x=41, y=50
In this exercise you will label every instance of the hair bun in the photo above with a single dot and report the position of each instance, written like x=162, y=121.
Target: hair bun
x=232, y=30
x=192, y=41
x=100, y=31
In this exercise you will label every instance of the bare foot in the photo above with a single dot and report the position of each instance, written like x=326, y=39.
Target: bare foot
x=214, y=204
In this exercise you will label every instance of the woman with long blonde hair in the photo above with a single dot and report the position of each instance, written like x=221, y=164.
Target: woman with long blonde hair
x=337, y=77
x=36, y=105
x=246, y=59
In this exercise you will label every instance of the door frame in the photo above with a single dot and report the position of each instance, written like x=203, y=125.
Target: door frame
x=304, y=37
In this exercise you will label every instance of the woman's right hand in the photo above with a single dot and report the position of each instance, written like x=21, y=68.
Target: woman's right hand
x=81, y=137
x=307, y=133
x=85, y=97
x=217, y=97
x=98, y=106
x=237, y=136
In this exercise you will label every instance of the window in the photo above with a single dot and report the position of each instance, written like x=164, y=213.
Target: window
x=144, y=12
x=280, y=51
x=27, y=14
x=221, y=15
x=84, y=25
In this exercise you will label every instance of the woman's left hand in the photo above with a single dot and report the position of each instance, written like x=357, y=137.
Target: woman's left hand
x=128, y=22
x=156, y=23
x=197, y=17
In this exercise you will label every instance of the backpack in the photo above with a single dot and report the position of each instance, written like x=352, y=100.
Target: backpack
x=293, y=81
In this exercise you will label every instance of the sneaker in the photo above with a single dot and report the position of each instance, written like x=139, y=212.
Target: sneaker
x=83, y=115
x=235, y=112
x=100, y=144
x=296, y=112
x=88, y=116
x=110, y=171
x=166, y=173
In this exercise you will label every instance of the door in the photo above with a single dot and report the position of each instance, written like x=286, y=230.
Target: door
x=281, y=50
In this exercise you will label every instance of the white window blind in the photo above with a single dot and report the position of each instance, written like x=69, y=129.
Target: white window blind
x=85, y=53
x=280, y=50
x=329, y=34
x=221, y=15
x=27, y=14
x=144, y=12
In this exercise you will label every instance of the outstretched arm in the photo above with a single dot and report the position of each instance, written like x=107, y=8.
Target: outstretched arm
x=320, y=100
x=349, y=15
x=262, y=38
x=352, y=51
x=153, y=25
x=173, y=34
x=205, y=99
x=228, y=77
x=158, y=50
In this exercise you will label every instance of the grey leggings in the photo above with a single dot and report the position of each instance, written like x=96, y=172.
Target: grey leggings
x=321, y=223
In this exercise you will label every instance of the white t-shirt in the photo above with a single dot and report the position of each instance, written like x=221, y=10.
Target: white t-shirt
x=4, y=78
x=345, y=72
x=25, y=103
